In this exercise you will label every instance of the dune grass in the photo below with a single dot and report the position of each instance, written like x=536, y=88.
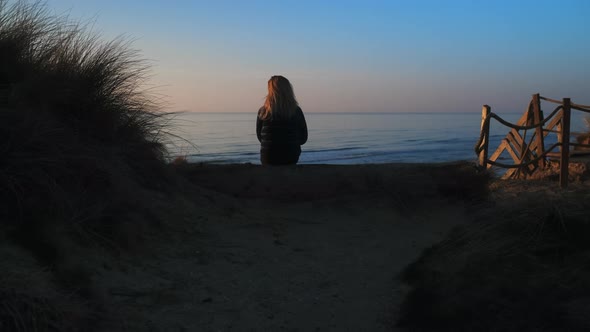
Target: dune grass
x=82, y=143
x=73, y=118
x=522, y=266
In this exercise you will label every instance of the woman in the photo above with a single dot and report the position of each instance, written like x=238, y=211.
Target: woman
x=280, y=126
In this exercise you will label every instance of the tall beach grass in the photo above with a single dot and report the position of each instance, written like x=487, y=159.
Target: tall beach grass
x=82, y=142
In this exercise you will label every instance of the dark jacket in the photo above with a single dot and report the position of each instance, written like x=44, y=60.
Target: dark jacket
x=281, y=139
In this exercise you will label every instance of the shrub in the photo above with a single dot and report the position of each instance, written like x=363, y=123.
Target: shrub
x=74, y=120
x=523, y=269
x=82, y=144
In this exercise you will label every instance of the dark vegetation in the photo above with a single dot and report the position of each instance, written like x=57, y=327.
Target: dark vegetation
x=520, y=266
x=81, y=146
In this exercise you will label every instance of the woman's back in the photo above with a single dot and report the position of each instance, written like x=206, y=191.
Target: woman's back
x=282, y=132
x=280, y=125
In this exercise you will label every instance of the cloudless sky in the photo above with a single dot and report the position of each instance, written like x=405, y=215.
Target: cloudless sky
x=354, y=56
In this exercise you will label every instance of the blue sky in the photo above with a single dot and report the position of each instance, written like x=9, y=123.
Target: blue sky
x=354, y=56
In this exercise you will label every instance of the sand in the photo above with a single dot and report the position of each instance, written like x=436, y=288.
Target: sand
x=306, y=248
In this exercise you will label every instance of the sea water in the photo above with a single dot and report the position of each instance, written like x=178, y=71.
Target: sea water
x=343, y=138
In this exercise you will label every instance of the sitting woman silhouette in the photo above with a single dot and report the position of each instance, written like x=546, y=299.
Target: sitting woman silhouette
x=280, y=126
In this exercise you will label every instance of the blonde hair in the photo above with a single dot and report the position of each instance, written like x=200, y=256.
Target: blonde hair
x=280, y=101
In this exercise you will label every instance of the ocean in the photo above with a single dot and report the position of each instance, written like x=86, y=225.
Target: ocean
x=343, y=138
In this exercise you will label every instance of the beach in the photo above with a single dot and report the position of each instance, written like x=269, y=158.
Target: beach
x=309, y=247
x=245, y=247
x=314, y=247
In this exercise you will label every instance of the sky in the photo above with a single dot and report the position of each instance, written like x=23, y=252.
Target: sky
x=353, y=56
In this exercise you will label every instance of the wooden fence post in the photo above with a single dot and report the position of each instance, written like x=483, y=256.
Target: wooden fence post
x=485, y=128
x=565, y=141
x=538, y=118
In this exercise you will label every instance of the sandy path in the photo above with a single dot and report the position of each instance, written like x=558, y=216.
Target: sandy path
x=256, y=265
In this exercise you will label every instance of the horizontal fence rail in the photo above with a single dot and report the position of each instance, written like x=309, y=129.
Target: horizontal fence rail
x=530, y=155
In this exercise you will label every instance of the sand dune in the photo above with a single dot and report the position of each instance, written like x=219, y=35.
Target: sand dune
x=301, y=248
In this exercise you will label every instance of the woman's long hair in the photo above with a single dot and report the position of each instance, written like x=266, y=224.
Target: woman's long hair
x=280, y=102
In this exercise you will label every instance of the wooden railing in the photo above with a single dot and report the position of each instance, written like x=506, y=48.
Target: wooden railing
x=531, y=155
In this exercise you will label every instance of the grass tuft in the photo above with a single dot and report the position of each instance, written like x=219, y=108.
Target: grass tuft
x=82, y=143
x=523, y=268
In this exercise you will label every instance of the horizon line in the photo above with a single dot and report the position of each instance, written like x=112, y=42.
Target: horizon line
x=358, y=112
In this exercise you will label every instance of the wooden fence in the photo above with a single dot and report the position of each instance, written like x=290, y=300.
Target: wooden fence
x=531, y=154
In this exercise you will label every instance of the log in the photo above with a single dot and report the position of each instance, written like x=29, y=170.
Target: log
x=485, y=128
x=539, y=146
x=513, y=154
x=552, y=124
x=565, y=144
x=498, y=151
